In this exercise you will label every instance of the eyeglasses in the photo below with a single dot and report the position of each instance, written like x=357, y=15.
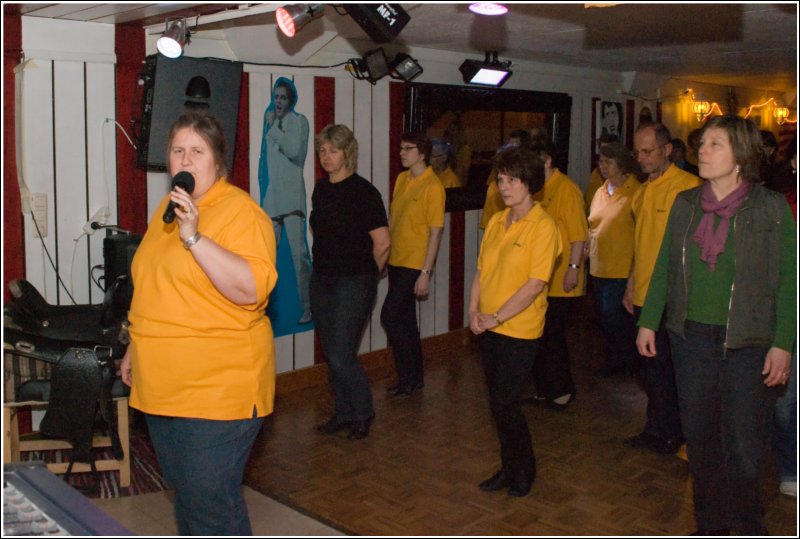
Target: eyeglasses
x=407, y=148
x=645, y=153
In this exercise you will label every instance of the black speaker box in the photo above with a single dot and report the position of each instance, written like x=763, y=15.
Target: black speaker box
x=118, y=251
x=381, y=22
x=172, y=86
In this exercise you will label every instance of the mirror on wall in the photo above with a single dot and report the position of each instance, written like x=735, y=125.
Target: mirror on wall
x=475, y=122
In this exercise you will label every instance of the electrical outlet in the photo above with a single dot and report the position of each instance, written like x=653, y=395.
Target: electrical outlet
x=100, y=217
x=39, y=212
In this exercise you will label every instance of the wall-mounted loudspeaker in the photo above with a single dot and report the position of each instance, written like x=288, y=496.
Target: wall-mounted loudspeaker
x=172, y=86
x=381, y=22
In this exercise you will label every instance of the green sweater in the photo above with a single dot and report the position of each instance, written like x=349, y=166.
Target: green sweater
x=709, y=293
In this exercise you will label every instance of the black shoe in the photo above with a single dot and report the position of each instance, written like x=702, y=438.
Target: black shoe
x=333, y=425
x=359, y=430
x=665, y=447
x=520, y=484
x=404, y=390
x=498, y=481
x=643, y=439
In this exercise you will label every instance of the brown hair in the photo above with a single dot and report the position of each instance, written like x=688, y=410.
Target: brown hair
x=209, y=129
x=620, y=154
x=421, y=141
x=522, y=163
x=748, y=150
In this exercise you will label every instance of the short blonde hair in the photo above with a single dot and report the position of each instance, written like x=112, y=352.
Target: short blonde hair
x=342, y=138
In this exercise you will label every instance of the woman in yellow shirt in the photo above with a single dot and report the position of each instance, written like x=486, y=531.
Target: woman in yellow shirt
x=507, y=306
x=201, y=363
x=610, y=248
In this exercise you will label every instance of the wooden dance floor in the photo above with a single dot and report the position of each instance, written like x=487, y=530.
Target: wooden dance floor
x=417, y=473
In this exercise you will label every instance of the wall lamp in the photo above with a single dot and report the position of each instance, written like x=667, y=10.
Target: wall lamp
x=700, y=108
x=375, y=65
x=174, y=38
x=293, y=17
x=490, y=72
x=781, y=114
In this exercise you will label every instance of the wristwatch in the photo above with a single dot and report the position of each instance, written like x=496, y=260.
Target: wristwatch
x=188, y=242
x=574, y=266
x=497, y=318
x=426, y=271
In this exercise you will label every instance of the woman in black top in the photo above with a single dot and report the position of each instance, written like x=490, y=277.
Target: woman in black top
x=351, y=247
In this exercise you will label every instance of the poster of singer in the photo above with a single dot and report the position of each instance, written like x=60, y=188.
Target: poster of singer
x=284, y=145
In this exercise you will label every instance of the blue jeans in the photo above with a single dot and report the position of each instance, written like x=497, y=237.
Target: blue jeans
x=506, y=364
x=341, y=306
x=399, y=319
x=727, y=412
x=619, y=328
x=784, y=436
x=204, y=461
x=658, y=378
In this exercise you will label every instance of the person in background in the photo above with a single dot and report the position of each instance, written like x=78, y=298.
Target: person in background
x=595, y=178
x=769, y=166
x=562, y=199
x=784, y=439
x=678, y=156
x=494, y=202
x=507, y=304
x=457, y=139
x=351, y=247
x=610, y=250
x=441, y=159
x=692, y=145
x=201, y=362
x=651, y=207
x=416, y=221
x=725, y=282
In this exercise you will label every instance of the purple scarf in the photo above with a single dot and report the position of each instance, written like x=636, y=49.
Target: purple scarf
x=712, y=242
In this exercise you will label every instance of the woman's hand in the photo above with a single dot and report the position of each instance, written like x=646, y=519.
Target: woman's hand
x=571, y=279
x=480, y=322
x=125, y=368
x=646, y=342
x=423, y=285
x=777, y=367
x=187, y=213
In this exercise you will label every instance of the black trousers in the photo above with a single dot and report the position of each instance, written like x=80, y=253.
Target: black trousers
x=399, y=319
x=551, y=370
x=506, y=364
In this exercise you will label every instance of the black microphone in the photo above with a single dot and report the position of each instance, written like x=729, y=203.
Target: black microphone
x=185, y=181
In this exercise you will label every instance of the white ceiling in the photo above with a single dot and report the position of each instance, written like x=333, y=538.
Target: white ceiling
x=746, y=45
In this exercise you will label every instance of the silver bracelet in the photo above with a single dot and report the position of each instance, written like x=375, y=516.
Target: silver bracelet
x=188, y=242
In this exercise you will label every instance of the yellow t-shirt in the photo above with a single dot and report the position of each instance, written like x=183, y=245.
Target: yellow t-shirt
x=561, y=198
x=494, y=202
x=194, y=353
x=651, y=206
x=417, y=205
x=449, y=178
x=508, y=258
x=611, y=230
x=594, y=183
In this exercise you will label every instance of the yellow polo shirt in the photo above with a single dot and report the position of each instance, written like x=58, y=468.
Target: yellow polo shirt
x=508, y=258
x=561, y=198
x=194, y=353
x=494, y=202
x=594, y=183
x=611, y=228
x=449, y=178
x=417, y=205
x=651, y=206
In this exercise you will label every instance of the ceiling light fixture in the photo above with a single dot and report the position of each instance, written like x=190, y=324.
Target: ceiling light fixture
x=481, y=8
x=404, y=67
x=490, y=72
x=700, y=107
x=293, y=17
x=372, y=67
x=174, y=38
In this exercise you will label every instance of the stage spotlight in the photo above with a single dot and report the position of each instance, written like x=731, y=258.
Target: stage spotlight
x=490, y=72
x=293, y=17
x=174, y=38
x=372, y=67
x=404, y=67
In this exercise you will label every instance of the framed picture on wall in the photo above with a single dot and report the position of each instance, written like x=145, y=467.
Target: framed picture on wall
x=609, y=118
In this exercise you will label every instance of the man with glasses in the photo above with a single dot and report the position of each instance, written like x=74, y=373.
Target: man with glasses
x=651, y=205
